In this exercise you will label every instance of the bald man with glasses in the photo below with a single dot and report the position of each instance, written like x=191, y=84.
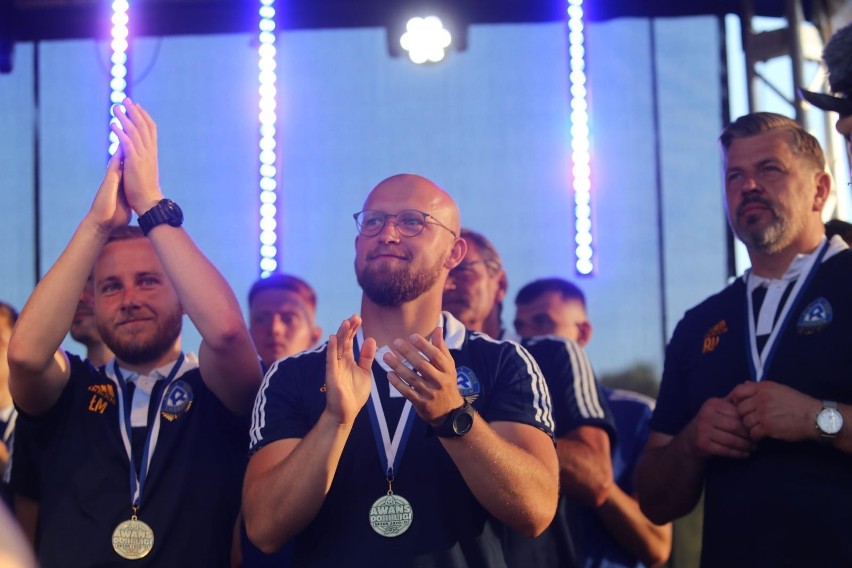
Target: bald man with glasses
x=403, y=439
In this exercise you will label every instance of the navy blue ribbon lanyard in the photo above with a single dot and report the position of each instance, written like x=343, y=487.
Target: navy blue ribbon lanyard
x=390, y=450
x=756, y=371
x=152, y=431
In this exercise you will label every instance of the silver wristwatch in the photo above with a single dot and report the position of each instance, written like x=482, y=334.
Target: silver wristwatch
x=829, y=421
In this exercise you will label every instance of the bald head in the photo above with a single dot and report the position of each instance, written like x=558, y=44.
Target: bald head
x=410, y=191
x=402, y=256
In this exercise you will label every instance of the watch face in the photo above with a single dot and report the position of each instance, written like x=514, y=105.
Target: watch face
x=830, y=421
x=463, y=423
x=174, y=215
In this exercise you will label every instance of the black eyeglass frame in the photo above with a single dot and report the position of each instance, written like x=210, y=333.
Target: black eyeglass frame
x=491, y=266
x=401, y=231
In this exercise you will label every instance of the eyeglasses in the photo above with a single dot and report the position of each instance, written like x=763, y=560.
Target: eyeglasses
x=409, y=222
x=464, y=271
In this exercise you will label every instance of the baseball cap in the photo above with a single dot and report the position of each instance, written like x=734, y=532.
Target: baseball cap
x=837, y=56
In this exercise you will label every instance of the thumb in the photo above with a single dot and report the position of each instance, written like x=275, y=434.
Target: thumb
x=438, y=338
x=115, y=164
x=368, y=353
x=114, y=171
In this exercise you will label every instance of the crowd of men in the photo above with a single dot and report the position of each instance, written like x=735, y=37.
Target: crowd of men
x=422, y=432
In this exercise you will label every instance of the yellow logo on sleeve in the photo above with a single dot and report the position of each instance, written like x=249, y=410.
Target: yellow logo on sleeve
x=103, y=396
x=712, y=337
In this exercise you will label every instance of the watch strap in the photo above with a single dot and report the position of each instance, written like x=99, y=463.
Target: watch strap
x=165, y=211
x=450, y=427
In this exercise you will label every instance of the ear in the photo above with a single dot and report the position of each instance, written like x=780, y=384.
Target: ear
x=585, y=336
x=456, y=254
x=502, y=285
x=823, y=188
x=316, y=333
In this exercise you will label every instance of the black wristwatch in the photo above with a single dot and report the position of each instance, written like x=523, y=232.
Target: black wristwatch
x=165, y=211
x=457, y=423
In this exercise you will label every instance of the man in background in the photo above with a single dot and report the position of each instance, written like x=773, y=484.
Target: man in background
x=617, y=533
x=282, y=317
x=474, y=293
x=84, y=328
x=282, y=322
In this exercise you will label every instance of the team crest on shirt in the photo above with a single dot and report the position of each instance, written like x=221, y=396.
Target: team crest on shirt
x=468, y=382
x=713, y=336
x=103, y=396
x=178, y=400
x=815, y=317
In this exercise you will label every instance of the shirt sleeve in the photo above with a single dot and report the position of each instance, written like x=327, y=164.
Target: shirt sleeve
x=24, y=479
x=578, y=399
x=520, y=393
x=281, y=410
x=34, y=433
x=671, y=413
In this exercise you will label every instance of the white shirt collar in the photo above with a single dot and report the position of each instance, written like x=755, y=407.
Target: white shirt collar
x=835, y=245
x=190, y=361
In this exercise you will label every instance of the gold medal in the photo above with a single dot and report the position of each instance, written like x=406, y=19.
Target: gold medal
x=391, y=515
x=133, y=539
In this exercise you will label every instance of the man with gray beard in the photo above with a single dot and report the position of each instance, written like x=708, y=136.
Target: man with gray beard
x=142, y=458
x=754, y=405
x=439, y=430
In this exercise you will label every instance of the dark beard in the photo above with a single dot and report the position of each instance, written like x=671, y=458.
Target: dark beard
x=394, y=288
x=136, y=352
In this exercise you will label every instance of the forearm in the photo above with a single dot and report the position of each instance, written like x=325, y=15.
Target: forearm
x=36, y=371
x=512, y=483
x=204, y=294
x=669, y=480
x=47, y=315
x=650, y=543
x=843, y=442
x=279, y=500
x=585, y=465
x=227, y=355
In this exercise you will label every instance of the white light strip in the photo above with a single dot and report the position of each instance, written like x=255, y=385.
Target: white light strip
x=268, y=154
x=118, y=70
x=581, y=172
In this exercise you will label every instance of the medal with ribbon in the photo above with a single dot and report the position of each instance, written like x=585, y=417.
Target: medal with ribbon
x=759, y=360
x=390, y=515
x=134, y=539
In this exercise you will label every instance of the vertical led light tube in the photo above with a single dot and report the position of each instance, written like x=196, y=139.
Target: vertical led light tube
x=118, y=70
x=581, y=173
x=268, y=154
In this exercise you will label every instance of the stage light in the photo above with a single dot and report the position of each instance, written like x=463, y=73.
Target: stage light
x=118, y=84
x=584, y=262
x=425, y=30
x=267, y=156
x=425, y=39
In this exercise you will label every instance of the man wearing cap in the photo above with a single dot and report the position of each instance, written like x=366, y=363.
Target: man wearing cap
x=837, y=56
x=755, y=402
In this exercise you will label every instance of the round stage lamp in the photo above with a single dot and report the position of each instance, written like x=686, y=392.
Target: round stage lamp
x=425, y=39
